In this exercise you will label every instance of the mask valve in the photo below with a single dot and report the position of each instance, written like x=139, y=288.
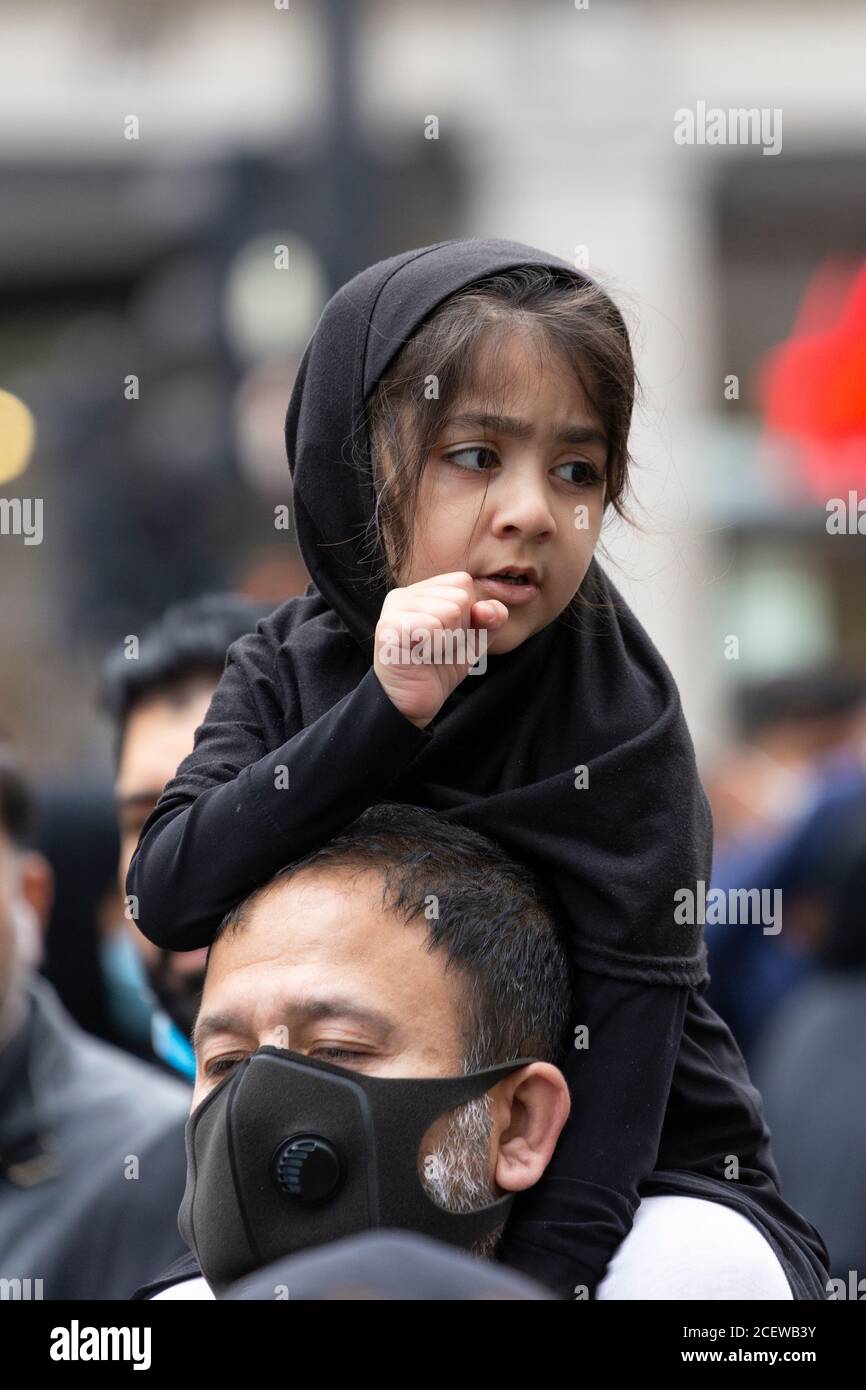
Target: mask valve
x=307, y=1168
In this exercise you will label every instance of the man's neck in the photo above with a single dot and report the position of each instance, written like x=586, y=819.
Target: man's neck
x=13, y=1014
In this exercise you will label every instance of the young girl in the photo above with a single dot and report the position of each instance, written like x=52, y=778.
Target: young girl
x=457, y=430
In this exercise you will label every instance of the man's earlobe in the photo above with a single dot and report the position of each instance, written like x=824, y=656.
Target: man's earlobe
x=539, y=1104
x=37, y=886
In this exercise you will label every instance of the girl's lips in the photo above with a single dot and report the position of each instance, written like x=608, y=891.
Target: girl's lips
x=510, y=594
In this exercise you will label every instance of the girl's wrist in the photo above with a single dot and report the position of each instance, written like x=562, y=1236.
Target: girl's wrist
x=419, y=723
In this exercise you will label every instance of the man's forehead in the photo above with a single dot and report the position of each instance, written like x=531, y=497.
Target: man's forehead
x=295, y=1009
x=316, y=930
x=316, y=909
x=159, y=733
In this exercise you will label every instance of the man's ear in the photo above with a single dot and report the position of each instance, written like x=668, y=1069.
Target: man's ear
x=37, y=886
x=30, y=906
x=529, y=1114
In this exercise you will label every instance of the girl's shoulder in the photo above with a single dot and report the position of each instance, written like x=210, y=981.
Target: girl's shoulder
x=297, y=663
x=277, y=632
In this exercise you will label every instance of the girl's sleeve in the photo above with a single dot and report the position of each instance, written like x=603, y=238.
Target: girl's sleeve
x=235, y=812
x=564, y=1231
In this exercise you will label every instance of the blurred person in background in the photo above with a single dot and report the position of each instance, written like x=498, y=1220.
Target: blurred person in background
x=810, y=1067
x=786, y=727
x=92, y=1158
x=799, y=763
x=77, y=834
x=157, y=700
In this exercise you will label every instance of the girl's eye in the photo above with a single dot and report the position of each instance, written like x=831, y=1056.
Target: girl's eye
x=474, y=449
x=335, y=1052
x=590, y=476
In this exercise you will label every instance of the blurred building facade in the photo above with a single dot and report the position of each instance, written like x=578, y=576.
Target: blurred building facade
x=154, y=156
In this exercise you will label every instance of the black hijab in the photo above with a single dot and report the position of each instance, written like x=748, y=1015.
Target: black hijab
x=588, y=691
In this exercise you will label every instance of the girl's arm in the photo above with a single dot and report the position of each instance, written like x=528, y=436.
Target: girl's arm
x=565, y=1230
x=236, y=812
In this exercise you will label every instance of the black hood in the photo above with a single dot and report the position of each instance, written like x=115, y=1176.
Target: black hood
x=361, y=330
x=589, y=691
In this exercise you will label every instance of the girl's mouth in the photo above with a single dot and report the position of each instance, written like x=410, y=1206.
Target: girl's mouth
x=509, y=589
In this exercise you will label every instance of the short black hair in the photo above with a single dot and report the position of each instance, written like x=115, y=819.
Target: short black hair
x=490, y=917
x=824, y=691
x=17, y=808
x=188, y=642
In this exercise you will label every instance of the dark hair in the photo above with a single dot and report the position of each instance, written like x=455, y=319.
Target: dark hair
x=17, y=813
x=491, y=921
x=572, y=319
x=826, y=691
x=188, y=643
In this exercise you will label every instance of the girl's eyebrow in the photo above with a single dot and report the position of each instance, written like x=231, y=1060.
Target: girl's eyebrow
x=521, y=429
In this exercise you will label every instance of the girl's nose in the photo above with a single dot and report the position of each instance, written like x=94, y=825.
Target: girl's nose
x=521, y=503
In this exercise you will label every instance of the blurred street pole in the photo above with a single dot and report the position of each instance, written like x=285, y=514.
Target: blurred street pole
x=348, y=233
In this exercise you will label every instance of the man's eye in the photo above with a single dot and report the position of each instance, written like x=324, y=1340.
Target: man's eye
x=474, y=449
x=222, y=1064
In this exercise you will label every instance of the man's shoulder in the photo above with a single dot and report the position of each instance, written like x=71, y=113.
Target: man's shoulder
x=196, y=1288
x=182, y=1279
x=96, y=1076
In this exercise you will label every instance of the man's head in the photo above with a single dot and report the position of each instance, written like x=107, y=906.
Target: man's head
x=784, y=728
x=157, y=700
x=406, y=947
x=26, y=887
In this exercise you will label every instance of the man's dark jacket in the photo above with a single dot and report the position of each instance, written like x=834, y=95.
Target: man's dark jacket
x=92, y=1160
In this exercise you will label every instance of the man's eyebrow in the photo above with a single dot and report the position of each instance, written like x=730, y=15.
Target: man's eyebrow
x=304, y=1010
x=521, y=429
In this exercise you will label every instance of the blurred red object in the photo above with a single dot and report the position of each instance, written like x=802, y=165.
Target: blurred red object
x=813, y=385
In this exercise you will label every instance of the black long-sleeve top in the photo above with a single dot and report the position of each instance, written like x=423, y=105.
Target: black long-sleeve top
x=662, y=1089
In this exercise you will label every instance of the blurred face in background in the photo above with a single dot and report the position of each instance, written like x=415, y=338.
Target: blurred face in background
x=159, y=733
x=761, y=784
x=26, y=888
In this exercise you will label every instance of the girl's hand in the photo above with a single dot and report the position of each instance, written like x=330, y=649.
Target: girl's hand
x=410, y=619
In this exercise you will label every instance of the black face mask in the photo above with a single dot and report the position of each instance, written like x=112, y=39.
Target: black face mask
x=291, y=1152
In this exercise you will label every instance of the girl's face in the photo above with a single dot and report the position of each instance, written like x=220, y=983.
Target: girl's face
x=522, y=487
